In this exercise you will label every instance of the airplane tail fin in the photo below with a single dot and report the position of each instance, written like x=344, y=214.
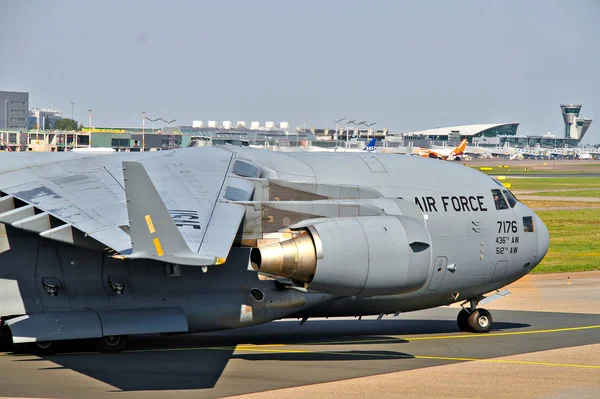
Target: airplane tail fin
x=460, y=149
x=154, y=234
x=371, y=145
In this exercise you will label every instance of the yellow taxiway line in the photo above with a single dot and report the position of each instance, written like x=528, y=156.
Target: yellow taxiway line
x=272, y=348
x=437, y=337
x=401, y=356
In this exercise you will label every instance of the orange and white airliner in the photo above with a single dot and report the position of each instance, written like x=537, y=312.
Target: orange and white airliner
x=444, y=153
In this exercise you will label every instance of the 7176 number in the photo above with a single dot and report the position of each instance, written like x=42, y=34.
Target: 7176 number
x=507, y=226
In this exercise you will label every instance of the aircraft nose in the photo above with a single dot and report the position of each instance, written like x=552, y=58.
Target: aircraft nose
x=543, y=237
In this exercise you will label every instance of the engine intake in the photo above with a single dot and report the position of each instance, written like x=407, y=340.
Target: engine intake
x=369, y=255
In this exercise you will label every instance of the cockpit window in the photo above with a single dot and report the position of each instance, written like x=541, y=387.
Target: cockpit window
x=510, y=197
x=527, y=224
x=499, y=200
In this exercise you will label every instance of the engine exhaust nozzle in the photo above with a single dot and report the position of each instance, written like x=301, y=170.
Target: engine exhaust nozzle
x=295, y=258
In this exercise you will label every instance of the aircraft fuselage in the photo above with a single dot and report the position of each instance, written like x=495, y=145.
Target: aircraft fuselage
x=476, y=243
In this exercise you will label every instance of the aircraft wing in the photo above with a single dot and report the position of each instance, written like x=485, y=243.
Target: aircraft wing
x=116, y=200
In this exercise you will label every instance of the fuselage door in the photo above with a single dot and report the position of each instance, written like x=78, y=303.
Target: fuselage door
x=439, y=270
x=500, y=270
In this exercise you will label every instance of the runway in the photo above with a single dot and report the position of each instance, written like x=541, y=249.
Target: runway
x=423, y=348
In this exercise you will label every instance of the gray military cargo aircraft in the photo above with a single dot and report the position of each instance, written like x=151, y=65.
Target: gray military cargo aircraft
x=102, y=246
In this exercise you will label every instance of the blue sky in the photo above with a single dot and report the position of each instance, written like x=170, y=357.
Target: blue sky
x=407, y=65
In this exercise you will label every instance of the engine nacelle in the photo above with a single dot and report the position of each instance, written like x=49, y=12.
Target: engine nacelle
x=366, y=256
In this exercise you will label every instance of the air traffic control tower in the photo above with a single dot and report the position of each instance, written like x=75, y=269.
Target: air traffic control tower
x=575, y=127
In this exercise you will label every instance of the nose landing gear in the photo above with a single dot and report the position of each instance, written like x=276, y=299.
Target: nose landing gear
x=474, y=320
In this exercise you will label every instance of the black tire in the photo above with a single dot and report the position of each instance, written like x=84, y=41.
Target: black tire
x=6, y=344
x=40, y=348
x=480, y=321
x=462, y=320
x=112, y=343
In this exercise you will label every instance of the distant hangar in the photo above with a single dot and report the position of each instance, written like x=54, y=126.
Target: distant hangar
x=455, y=133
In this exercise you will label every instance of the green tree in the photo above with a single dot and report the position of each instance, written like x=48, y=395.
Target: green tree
x=65, y=124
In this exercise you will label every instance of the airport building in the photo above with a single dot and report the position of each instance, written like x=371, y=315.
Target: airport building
x=575, y=127
x=42, y=137
x=43, y=118
x=470, y=132
x=15, y=107
x=119, y=139
x=242, y=133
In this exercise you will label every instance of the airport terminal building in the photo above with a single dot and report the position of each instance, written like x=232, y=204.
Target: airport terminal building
x=16, y=137
x=473, y=133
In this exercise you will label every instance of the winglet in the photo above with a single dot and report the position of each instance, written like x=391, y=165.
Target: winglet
x=154, y=234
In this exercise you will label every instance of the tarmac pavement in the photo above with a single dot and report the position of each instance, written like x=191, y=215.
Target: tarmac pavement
x=545, y=342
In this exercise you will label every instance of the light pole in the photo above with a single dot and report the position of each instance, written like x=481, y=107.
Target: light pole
x=353, y=122
x=336, y=127
x=349, y=122
x=168, y=122
x=368, y=125
x=143, y=132
x=143, y=129
x=357, y=125
x=170, y=135
x=90, y=111
x=72, y=111
x=154, y=120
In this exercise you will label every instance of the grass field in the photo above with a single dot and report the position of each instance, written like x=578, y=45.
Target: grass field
x=574, y=240
x=574, y=233
x=535, y=204
x=552, y=183
x=572, y=193
x=524, y=171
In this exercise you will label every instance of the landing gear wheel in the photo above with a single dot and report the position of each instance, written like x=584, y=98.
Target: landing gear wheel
x=480, y=321
x=5, y=338
x=462, y=320
x=112, y=343
x=40, y=348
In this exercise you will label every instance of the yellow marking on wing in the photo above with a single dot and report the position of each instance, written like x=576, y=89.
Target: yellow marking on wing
x=150, y=224
x=158, y=247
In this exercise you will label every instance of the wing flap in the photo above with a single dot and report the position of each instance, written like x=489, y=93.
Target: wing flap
x=87, y=194
x=157, y=233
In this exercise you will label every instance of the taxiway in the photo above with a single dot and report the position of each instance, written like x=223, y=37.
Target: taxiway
x=412, y=355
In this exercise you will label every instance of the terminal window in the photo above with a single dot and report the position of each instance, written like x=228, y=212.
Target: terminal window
x=119, y=142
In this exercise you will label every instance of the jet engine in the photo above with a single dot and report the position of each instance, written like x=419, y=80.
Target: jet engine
x=368, y=255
